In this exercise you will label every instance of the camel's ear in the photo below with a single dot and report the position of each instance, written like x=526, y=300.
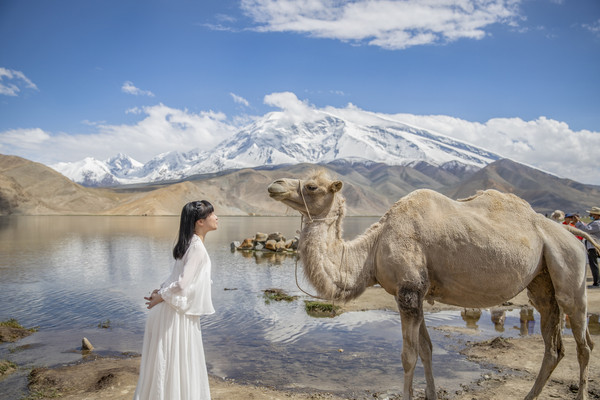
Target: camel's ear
x=335, y=186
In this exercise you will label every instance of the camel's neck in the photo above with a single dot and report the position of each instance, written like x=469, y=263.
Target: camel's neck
x=337, y=269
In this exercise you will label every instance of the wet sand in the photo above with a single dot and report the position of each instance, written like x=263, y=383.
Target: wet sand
x=516, y=362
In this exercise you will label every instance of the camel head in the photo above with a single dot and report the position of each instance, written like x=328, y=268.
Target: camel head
x=314, y=195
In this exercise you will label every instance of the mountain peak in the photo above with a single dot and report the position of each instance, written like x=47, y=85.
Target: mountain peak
x=308, y=136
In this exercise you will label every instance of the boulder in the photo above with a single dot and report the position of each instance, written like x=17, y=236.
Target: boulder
x=247, y=244
x=280, y=246
x=261, y=237
x=86, y=344
x=271, y=245
x=292, y=244
x=234, y=245
x=276, y=236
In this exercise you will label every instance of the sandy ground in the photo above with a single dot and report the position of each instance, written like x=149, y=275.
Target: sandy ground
x=515, y=361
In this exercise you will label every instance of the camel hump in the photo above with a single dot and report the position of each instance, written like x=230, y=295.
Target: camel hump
x=483, y=202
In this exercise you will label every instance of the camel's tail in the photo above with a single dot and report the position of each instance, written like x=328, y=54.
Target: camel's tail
x=579, y=232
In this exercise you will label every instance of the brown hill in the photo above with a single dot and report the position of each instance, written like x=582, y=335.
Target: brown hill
x=29, y=188
x=545, y=192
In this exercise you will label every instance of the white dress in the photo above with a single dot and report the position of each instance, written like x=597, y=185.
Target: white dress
x=173, y=365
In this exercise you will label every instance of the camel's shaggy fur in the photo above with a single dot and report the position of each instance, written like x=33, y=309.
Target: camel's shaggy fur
x=477, y=252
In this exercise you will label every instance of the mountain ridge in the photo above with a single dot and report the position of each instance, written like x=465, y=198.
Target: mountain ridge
x=29, y=188
x=319, y=137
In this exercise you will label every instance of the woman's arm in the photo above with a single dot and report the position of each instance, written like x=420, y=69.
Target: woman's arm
x=177, y=293
x=153, y=299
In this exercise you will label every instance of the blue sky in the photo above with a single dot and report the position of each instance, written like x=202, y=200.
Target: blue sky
x=94, y=78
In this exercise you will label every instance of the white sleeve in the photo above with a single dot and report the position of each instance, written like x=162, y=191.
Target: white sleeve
x=180, y=292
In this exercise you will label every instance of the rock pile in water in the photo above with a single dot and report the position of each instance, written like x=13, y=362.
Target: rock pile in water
x=273, y=242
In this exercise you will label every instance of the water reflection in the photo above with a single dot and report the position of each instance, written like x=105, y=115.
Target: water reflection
x=471, y=316
x=527, y=320
x=67, y=274
x=498, y=317
x=267, y=257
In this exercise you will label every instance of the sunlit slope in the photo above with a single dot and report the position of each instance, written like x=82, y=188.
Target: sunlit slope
x=28, y=187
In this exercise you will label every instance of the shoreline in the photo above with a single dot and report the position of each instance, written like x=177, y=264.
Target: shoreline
x=116, y=378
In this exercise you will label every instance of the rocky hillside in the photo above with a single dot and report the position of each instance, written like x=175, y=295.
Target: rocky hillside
x=28, y=188
x=31, y=188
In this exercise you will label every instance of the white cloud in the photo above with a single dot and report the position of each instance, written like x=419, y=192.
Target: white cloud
x=161, y=129
x=593, y=27
x=292, y=108
x=11, y=82
x=543, y=143
x=129, y=88
x=240, y=100
x=385, y=23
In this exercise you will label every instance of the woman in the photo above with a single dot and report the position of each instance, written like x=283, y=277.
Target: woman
x=173, y=366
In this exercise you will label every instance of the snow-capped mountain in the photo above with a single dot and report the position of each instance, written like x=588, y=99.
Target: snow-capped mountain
x=320, y=136
x=91, y=172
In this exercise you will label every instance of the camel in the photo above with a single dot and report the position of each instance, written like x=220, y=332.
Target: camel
x=474, y=253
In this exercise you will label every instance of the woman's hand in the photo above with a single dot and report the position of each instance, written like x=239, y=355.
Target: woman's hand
x=153, y=299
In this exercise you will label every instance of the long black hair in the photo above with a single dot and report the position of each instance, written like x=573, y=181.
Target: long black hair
x=191, y=212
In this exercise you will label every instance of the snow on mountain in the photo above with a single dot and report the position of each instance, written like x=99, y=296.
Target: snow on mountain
x=366, y=137
x=320, y=136
x=91, y=172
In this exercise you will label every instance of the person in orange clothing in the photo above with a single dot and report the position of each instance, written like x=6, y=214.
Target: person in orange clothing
x=570, y=219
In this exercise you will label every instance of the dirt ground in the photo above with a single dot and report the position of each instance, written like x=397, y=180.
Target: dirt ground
x=515, y=361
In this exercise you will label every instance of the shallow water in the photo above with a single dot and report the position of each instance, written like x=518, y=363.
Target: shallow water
x=68, y=275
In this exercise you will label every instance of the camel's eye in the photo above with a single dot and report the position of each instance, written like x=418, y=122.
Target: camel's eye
x=310, y=187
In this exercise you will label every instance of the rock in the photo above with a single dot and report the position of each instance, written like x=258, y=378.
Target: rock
x=247, y=244
x=276, y=236
x=86, y=345
x=280, y=246
x=292, y=244
x=271, y=245
x=261, y=237
x=234, y=245
x=259, y=246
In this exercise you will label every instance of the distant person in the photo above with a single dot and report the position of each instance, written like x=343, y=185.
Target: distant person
x=173, y=365
x=570, y=219
x=557, y=215
x=593, y=228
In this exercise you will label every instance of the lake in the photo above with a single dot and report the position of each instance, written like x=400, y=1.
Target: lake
x=71, y=275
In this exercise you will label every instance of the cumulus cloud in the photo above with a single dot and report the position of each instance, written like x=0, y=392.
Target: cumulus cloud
x=384, y=23
x=543, y=143
x=160, y=129
x=129, y=88
x=240, y=100
x=12, y=81
x=292, y=108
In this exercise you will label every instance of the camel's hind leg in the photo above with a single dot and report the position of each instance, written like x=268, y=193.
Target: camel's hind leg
x=415, y=338
x=426, y=354
x=541, y=294
x=575, y=307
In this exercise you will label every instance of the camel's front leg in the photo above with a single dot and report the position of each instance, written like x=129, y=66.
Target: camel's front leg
x=410, y=305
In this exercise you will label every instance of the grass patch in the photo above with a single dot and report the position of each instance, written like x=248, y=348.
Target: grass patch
x=7, y=366
x=320, y=310
x=277, y=295
x=104, y=324
x=13, y=323
x=42, y=394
